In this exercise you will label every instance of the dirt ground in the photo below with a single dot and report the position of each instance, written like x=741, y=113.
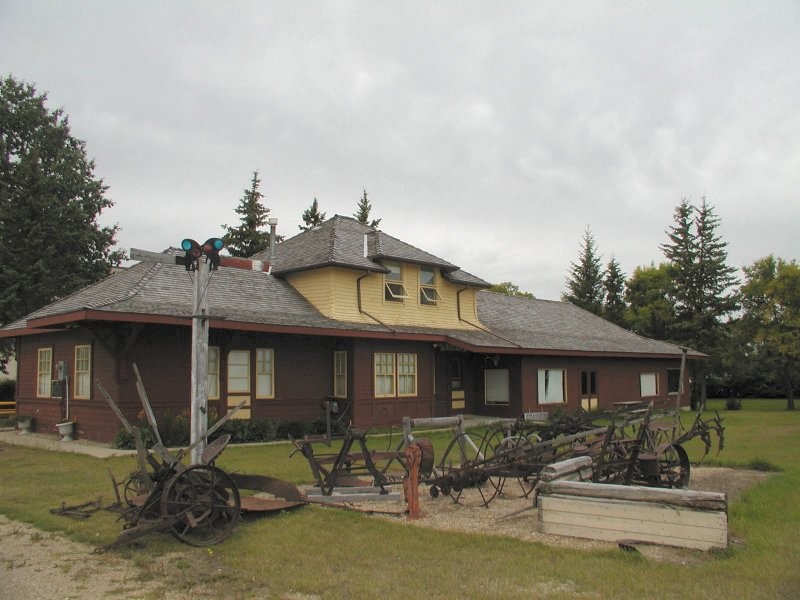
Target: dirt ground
x=36, y=565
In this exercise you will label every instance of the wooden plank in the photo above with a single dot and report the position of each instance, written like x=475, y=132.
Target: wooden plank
x=635, y=511
x=687, y=498
x=614, y=536
x=613, y=520
x=573, y=466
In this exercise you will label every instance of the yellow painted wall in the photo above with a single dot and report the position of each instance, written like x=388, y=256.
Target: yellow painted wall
x=333, y=291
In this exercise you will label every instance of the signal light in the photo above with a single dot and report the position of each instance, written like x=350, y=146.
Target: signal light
x=193, y=253
x=211, y=249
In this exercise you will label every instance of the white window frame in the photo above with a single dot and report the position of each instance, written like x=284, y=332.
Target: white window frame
x=235, y=368
x=648, y=382
x=340, y=374
x=82, y=382
x=265, y=373
x=496, y=387
x=212, y=374
x=552, y=386
x=44, y=376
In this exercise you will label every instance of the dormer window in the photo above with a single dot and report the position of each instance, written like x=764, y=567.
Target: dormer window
x=428, y=295
x=394, y=290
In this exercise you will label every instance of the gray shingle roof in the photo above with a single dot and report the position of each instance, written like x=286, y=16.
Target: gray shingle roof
x=512, y=324
x=341, y=241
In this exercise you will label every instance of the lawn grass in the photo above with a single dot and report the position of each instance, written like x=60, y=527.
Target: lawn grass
x=335, y=554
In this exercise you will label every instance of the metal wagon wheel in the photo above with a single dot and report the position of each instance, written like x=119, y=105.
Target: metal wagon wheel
x=514, y=473
x=461, y=469
x=203, y=504
x=673, y=466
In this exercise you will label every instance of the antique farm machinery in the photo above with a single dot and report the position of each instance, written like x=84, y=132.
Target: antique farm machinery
x=200, y=504
x=638, y=446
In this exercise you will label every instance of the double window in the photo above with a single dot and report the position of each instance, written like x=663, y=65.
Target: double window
x=428, y=295
x=394, y=290
x=395, y=374
x=552, y=386
x=239, y=376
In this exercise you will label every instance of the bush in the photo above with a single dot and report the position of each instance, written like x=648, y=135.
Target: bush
x=733, y=403
x=124, y=440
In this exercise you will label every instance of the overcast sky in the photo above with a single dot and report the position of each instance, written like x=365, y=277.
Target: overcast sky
x=490, y=134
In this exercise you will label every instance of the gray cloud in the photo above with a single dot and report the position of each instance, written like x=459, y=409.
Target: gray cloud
x=488, y=134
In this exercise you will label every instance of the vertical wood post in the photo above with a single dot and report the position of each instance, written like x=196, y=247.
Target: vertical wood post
x=199, y=409
x=411, y=482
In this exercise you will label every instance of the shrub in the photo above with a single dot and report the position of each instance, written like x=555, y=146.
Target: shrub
x=124, y=440
x=733, y=403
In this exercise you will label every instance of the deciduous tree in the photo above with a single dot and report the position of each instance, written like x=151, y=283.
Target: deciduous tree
x=50, y=199
x=650, y=309
x=771, y=303
x=509, y=289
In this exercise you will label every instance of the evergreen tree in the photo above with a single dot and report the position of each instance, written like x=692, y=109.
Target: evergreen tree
x=50, y=242
x=614, y=293
x=364, y=208
x=312, y=217
x=585, y=283
x=250, y=236
x=702, y=280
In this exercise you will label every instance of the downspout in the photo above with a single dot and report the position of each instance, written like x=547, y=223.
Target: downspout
x=360, y=308
x=477, y=325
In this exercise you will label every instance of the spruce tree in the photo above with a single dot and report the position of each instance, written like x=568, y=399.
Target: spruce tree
x=312, y=217
x=364, y=208
x=250, y=236
x=702, y=280
x=585, y=283
x=614, y=292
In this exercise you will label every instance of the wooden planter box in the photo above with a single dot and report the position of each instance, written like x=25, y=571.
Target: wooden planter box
x=631, y=514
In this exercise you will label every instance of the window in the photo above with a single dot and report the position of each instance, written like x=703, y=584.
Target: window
x=428, y=295
x=496, y=386
x=406, y=374
x=265, y=373
x=212, y=376
x=395, y=372
x=394, y=291
x=588, y=383
x=648, y=382
x=239, y=371
x=552, y=387
x=340, y=374
x=44, y=371
x=384, y=374
x=83, y=372
x=673, y=381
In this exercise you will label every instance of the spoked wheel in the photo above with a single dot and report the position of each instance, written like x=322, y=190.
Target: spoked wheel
x=673, y=466
x=461, y=475
x=203, y=501
x=515, y=471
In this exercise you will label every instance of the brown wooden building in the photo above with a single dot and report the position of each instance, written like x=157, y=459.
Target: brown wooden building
x=341, y=311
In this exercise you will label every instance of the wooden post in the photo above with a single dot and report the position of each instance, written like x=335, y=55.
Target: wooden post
x=199, y=408
x=411, y=482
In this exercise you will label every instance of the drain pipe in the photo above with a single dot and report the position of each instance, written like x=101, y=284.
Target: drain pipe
x=361, y=309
